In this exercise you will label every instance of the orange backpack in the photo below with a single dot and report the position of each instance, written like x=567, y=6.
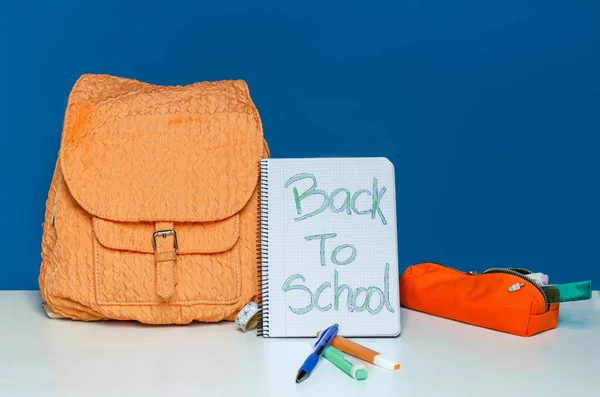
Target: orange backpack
x=152, y=211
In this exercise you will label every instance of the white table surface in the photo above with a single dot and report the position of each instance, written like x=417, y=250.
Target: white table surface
x=43, y=357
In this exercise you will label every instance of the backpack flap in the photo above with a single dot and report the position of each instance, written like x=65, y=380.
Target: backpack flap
x=195, y=159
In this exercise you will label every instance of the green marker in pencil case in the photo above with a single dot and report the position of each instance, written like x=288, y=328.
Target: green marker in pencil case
x=570, y=292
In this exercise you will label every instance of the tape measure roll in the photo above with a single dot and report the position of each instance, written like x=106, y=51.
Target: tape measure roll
x=247, y=318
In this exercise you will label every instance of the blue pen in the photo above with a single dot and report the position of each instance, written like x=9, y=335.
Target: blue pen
x=311, y=361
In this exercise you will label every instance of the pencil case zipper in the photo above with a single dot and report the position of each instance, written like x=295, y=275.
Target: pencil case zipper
x=515, y=271
x=520, y=272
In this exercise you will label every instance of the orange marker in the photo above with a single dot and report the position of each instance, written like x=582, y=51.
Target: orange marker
x=364, y=353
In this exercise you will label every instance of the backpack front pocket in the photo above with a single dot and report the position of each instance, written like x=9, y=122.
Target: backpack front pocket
x=206, y=266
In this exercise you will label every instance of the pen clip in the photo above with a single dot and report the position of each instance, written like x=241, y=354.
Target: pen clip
x=322, y=333
x=319, y=337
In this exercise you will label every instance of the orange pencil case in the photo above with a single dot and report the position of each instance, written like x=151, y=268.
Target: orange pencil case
x=481, y=299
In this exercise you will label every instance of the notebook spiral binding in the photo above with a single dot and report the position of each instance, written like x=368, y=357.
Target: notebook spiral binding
x=262, y=251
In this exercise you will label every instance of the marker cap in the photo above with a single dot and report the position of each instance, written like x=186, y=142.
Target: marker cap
x=383, y=362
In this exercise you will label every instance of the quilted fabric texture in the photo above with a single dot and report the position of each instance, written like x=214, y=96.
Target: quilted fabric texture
x=138, y=159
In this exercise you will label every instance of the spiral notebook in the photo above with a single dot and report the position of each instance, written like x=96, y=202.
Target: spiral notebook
x=329, y=251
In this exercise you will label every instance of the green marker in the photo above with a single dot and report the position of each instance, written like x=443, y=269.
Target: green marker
x=568, y=292
x=336, y=357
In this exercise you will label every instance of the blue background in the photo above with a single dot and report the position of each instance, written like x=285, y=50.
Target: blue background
x=490, y=110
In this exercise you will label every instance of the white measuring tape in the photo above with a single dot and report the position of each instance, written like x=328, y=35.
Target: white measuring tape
x=247, y=318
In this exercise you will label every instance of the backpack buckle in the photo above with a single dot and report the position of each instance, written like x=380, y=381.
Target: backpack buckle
x=164, y=234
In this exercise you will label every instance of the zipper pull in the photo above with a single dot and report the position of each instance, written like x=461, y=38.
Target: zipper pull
x=53, y=209
x=472, y=273
x=516, y=287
